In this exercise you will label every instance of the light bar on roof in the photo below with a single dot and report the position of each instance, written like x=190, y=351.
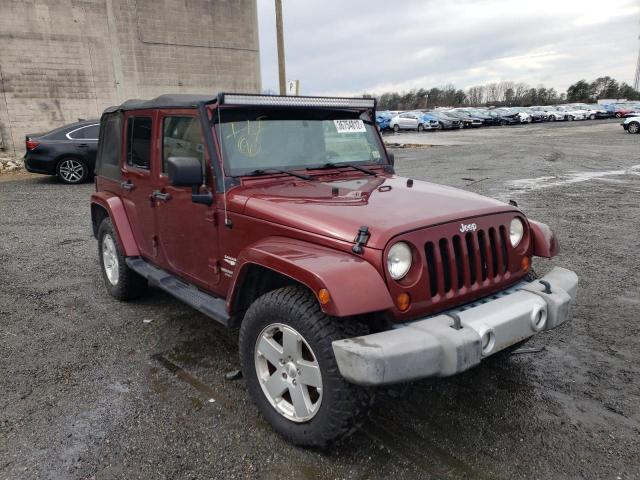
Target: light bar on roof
x=290, y=101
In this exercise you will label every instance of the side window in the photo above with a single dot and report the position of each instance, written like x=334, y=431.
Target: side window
x=181, y=137
x=89, y=132
x=139, y=142
x=108, y=162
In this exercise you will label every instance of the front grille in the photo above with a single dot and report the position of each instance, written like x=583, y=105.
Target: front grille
x=465, y=260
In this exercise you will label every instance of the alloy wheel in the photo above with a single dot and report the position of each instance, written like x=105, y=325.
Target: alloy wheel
x=71, y=171
x=288, y=372
x=110, y=259
x=634, y=127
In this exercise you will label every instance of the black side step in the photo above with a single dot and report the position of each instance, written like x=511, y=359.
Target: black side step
x=213, y=307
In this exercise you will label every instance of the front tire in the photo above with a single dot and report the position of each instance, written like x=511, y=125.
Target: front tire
x=121, y=282
x=634, y=127
x=420, y=127
x=72, y=171
x=291, y=372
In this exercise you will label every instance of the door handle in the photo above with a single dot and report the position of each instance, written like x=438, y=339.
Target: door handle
x=161, y=195
x=128, y=185
x=83, y=145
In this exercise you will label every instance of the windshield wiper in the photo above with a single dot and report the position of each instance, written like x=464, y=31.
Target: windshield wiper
x=344, y=165
x=266, y=171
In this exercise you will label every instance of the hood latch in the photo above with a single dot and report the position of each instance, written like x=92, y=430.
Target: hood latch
x=361, y=239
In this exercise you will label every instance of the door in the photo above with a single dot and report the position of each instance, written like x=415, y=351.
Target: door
x=85, y=142
x=137, y=183
x=187, y=232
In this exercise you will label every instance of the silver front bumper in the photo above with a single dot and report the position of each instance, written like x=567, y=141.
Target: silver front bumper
x=432, y=347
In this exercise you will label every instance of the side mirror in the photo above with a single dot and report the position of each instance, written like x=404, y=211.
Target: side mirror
x=392, y=158
x=187, y=172
x=184, y=171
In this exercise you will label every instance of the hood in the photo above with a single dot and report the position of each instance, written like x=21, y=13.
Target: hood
x=337, y=207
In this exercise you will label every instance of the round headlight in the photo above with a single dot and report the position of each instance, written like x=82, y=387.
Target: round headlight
x=399, y=260
x=516, y=231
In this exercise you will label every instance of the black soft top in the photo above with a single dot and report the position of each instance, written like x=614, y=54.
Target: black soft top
x=171, y=100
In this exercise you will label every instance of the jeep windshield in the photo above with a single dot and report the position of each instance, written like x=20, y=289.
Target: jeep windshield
x=287, y=139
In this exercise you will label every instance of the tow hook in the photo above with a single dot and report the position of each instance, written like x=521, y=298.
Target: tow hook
x=547, y=286
x=361, y=239
x=457, y=323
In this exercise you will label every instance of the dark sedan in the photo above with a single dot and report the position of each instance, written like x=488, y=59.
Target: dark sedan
x=468, y=121
x=505, y=117
x=68, y=152
x=445, y=122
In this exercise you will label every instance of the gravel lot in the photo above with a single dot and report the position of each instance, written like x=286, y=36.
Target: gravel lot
x=94, y=388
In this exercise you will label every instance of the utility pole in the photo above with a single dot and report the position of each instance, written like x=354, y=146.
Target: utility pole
x=636, y=81
x=280, y=35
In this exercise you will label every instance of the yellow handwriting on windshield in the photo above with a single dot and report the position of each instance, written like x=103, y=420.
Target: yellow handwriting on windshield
x=246, y=137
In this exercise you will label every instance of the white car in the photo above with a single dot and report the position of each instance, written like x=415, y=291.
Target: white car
x=591, y=112
x=574, y=113
x=552, y=114
x=631, y=124
x=409, y=121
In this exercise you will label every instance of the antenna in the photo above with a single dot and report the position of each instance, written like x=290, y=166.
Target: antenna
x=227, y=222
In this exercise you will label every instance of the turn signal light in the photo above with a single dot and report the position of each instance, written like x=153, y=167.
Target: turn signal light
x=403, y=301
x=324, y=296
x=526, y=263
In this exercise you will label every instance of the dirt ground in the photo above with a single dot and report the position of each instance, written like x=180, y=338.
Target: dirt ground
x=94, y=388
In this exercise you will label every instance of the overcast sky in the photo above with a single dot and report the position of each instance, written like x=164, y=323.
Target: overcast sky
x=356, y=46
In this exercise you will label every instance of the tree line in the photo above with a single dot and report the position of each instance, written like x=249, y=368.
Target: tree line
x=505, y=93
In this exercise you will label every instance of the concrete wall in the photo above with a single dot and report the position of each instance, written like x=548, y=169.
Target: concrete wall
x=61, y=60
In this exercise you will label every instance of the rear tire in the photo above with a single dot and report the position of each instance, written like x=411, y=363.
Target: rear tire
x=592, y=116
x=292, y=316
x=396, y=128
x=121, y=282
x=72, y=171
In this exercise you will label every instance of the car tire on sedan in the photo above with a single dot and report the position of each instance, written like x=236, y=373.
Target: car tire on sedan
x=72, y=170
x=420, y=127
x=634, y=127
x=396, y=128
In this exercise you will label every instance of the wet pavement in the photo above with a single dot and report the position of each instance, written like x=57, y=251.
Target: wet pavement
x=94, y=388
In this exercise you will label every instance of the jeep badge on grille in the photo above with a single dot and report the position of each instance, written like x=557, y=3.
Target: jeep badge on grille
x=469, y=227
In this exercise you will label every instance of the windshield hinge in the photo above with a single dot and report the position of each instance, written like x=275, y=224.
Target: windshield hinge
x=361, y=239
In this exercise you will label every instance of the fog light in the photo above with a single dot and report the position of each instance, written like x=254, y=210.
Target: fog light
x=539, y=319
x=403, y=301
x=488, y=340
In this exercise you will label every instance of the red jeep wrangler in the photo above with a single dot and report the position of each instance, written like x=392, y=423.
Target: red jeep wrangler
x=282, y=217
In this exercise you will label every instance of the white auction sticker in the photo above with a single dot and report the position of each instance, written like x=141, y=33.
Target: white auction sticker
x=349, y=126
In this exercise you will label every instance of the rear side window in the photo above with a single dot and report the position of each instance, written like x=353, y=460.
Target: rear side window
x=108, y=163
x=139, y=142
x=90, y=132
x=181, y=137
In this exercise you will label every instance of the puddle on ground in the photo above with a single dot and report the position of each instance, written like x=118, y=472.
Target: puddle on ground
x=186, y=377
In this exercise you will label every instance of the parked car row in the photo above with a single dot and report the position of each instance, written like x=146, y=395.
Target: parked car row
x=623, y=109
x=474, y=117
